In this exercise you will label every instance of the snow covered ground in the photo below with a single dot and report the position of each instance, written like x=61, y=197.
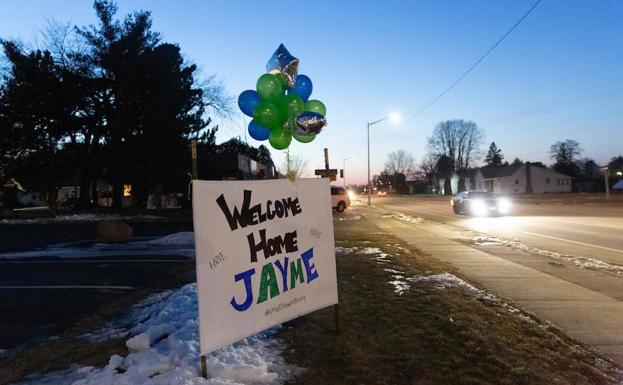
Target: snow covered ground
x=79, y=218
x=164, y=350
x=180, y=244
x=404, y=217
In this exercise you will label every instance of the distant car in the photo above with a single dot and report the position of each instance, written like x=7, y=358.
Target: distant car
x=480, y=203
x=339, y=199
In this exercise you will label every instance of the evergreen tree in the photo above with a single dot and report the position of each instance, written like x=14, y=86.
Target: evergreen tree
x=494, y=157
x=150, y=103
x=564, y=153
x=111, y=100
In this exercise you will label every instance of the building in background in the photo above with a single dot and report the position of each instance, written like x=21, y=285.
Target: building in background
x=520, y=179
x=235, y=166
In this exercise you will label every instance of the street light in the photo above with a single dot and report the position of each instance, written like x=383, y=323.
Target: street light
x=344, y=169
x=393, y=117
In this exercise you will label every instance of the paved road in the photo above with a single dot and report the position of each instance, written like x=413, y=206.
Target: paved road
x=594, y=231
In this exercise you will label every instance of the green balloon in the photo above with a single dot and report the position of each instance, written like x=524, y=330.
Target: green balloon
x=283, y=80
x=291, y=106
x=304, y=138
x=266, y=114
x=269, y=87
x=316, y=106
x=279, y=138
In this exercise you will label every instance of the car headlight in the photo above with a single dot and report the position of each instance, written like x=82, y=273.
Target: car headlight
x=479, y=208
x=504, y=205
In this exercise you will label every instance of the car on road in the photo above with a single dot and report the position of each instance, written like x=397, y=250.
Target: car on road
x=480, y=203
x=339, y=199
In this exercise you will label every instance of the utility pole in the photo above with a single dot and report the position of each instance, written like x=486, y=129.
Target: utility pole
x=369, y=184
x=326, y=172
x=326, y=159
x=606, y=179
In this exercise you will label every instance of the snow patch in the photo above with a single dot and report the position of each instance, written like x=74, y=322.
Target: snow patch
x=581, y=262
x=404, y=217
x=446, y=280
x=177, y=244
x=164, y=350
x=349, y=217
x=184, y=238
x=359, y=250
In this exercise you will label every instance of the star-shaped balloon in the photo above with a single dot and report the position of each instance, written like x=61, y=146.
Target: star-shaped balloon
x=283, y=62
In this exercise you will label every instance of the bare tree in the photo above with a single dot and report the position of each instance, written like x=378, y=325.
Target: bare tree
x=64, y=44
x=294, y=167
x=457, y=139
x=399, y=162
x=429, y=166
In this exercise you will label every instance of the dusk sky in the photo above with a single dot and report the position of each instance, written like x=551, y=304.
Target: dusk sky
x=558, y=75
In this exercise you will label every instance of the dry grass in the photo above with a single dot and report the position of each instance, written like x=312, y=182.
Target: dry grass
x=427, y=335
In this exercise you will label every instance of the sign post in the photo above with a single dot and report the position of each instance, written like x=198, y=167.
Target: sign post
x=265, y=254
x=193, y=153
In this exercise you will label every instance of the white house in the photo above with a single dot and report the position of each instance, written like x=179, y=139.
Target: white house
x=521, y=179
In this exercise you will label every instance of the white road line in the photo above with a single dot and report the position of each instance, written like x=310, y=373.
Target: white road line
x=94, y=261
x=68, y=287
x=569, y=240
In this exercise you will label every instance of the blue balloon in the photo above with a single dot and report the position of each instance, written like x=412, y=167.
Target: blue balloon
x=258, y=132
x=247, y=101
x=302, y=87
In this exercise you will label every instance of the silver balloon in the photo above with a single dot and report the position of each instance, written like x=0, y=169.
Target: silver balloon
x=290, y=125
x=310, y=122
x=283, y=62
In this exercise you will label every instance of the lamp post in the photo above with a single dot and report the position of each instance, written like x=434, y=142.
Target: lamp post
x=394, y=118
x=344, y=170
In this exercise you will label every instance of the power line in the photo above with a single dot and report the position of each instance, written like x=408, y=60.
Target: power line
x=477, y=62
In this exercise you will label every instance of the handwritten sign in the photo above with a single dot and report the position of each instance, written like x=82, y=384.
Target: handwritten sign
x=265, y=255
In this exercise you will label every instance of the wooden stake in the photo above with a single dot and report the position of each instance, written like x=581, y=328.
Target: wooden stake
x=193, y=154
x=204, y=367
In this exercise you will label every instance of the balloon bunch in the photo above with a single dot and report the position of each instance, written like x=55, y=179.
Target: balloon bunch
x=280, y=106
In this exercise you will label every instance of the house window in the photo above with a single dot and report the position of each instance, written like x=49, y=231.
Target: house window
x=558, y=182
x=516, y=181
x=547, y=180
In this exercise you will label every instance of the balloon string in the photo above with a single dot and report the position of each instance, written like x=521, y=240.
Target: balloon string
x=291, y=173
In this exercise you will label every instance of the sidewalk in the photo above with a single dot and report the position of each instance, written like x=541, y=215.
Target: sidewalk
x=587, y=315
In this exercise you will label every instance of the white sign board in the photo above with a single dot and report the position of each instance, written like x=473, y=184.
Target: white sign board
x=265, y=255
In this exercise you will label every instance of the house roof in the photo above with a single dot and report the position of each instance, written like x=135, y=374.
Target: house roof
x=12, y=183
x=499, y=172
x=618, y=185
